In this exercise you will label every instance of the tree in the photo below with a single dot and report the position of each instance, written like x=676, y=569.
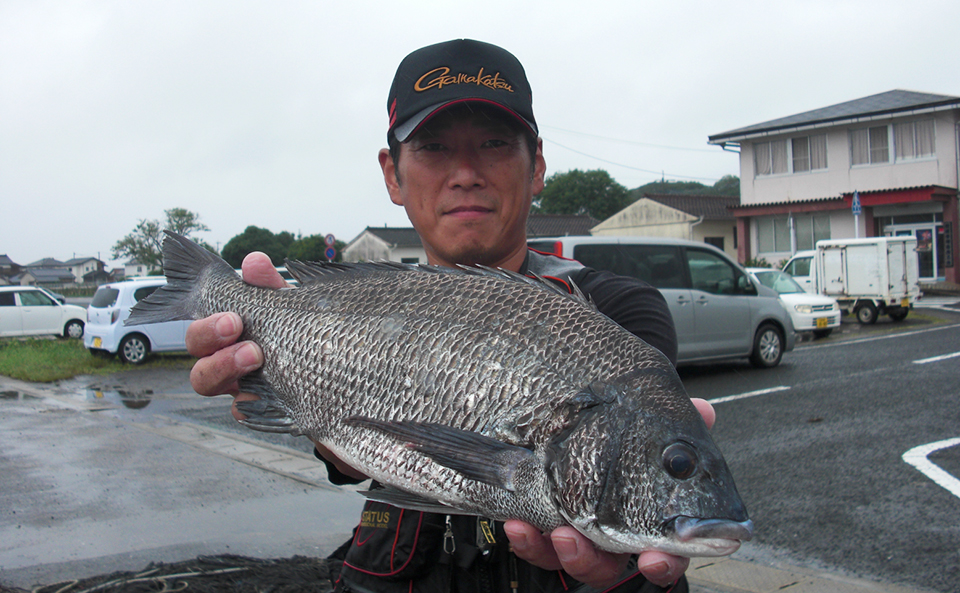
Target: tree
x=581, y=192
x=145, y=243
x=254, y=238
x=313, y=248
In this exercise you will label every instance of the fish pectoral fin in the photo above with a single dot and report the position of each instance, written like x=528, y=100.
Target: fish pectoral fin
x=264, y=416
x=409, y=500
x=471, y=454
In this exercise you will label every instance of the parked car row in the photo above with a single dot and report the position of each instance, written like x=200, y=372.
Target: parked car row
x=35, y=311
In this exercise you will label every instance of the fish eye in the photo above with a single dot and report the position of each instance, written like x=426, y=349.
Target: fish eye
x=680, y=460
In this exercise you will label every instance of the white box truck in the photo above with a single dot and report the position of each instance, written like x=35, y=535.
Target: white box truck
x=868, y=277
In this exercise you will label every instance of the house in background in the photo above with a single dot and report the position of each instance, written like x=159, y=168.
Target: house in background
x=694, y=217
x=134, y=268
x=559, y=225
x=8, y=268
x=896, y=150
x=83, y=266
x=400, y=244
x=403, y=244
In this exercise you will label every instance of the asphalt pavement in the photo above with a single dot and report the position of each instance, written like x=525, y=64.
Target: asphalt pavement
x=101, y=477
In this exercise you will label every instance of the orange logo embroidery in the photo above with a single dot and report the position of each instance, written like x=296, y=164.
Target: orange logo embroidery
x=439, y=77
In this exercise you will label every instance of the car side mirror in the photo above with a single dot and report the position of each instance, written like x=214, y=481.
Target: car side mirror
x=744, y=286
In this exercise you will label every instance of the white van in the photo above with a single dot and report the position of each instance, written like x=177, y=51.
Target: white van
x=868, y=277
x=719, y=311
x=106, y=334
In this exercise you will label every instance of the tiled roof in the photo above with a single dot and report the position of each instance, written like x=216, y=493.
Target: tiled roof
x=709, y=207
x=890, y=102
x=6, y=261
x=396, y=236
x=51, y=274
x=559, y=225
x=79, y=260
x=47, y=262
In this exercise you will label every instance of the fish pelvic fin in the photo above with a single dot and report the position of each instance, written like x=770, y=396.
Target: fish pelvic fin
x=408, y=500
x=184, y=262
x=471, y=454
x=266, y=414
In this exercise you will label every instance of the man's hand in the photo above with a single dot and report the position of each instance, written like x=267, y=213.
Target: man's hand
x=567, y=549
x=214, y=341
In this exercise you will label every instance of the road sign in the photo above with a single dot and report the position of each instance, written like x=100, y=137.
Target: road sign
x=855, y=206
x=329, y=239
x=330, y=253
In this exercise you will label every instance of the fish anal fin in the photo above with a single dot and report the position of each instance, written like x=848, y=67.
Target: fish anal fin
x=409, y=500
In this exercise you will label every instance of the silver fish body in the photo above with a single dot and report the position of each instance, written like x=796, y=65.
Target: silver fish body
x=476, y=392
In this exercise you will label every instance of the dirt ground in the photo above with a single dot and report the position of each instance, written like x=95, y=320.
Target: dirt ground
x=207, y=574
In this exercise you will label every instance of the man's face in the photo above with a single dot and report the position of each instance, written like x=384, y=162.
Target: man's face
x=466, y=181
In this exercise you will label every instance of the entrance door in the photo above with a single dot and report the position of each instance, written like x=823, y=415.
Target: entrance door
x=929, y=246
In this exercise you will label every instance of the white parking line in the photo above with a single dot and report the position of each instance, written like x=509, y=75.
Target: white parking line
x=936, y=358
x=730, y=398
x=917, y=457
x=885, y=336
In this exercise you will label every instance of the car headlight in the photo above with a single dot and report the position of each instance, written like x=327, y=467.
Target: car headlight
x=805, y=309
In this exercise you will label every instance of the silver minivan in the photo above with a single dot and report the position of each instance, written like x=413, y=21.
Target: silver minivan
x=719, y=311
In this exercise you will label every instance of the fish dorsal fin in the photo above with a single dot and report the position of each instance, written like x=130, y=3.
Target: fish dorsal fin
x=310, y=272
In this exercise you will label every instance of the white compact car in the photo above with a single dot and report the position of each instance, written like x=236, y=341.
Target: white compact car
x=110, y=307
x=810, y=312
x=34, y=311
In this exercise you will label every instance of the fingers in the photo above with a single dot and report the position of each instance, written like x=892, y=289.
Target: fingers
x=566, y=548
x=662, y=569
x=531, y=545
x=706, y=410
x=259, y=271
x=218, y=373
x=208, y=335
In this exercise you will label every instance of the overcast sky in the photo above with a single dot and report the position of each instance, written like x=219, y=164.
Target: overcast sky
x=272, y=113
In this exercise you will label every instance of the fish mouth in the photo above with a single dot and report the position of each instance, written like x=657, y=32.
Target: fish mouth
x=722, y=535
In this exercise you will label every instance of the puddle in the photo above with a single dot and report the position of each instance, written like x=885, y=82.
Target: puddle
x=16, y=396
x=135, y=400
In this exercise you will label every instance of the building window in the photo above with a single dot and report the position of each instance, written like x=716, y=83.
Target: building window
x=914, y=140
x=869, y=146
x=771, y=157
x=809, y=153
x=806, y=153
x=773, y=234
x=715, y=241
x=811, y=229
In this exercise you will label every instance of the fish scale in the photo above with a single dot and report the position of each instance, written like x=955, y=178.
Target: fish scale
x=474, y=391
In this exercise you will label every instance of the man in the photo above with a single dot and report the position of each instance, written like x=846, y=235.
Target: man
x=465, y=161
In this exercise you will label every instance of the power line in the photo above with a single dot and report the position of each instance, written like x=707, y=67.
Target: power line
x=711, y=151
x=660, y=173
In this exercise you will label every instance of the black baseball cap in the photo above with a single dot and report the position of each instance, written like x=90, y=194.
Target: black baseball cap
x=438, y=76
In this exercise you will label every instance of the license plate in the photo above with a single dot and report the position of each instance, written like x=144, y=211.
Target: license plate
x=904, y=302
x=822, y=322
x=97, y=342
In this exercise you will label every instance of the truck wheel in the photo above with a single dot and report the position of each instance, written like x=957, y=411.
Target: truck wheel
x=898, y=314
x=767, y=347
x=866, y=313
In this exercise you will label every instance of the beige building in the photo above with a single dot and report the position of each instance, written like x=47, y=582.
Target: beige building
x=894, y=154
x=692, y=217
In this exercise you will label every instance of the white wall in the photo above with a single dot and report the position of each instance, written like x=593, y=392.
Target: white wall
x=840, y=178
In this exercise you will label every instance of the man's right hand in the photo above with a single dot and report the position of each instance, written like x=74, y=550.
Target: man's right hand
x=213, y=340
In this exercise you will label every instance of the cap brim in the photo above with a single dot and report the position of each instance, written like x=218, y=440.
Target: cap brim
x=409, y=127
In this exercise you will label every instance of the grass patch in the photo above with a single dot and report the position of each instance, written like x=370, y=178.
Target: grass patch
x=42, y=360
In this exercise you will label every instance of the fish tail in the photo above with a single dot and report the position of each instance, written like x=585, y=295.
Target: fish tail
x=185, y=264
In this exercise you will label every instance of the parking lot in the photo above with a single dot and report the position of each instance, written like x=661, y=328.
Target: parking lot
x=110, y=474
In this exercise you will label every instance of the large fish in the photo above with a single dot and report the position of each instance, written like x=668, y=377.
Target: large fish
x=475, y=391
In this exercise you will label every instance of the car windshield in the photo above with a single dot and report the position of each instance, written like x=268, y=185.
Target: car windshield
x=104, y=297
x=779, y=281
